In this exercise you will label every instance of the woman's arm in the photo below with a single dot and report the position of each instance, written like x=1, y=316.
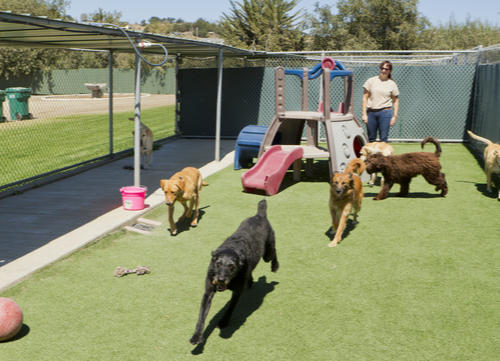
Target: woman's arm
x=395, y=101
x=364, y=102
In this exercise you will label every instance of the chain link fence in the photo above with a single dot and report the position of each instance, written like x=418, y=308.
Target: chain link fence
x=435, y=91
x=58, y=122
x=61, y=128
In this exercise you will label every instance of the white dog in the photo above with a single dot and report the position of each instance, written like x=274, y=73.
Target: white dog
x=374, y=148
x=146, y=145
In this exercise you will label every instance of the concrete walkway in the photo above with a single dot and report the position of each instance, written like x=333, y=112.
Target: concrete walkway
x=45, y=224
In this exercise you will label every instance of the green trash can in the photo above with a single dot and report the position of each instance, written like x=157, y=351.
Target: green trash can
x=18, y=102
x=2, y=99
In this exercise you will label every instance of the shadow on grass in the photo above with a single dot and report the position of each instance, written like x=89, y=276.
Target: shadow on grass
x=348, y=228
x=250, y=301
x=185, y=224
x=23, y=332
x=481, y=188
x=422, y=195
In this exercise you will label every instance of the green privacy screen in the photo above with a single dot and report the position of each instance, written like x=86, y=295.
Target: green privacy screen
x=434, y=100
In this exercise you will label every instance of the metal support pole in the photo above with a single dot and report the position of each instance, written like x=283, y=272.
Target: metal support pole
x=137, y=121
x=219, y=105
x=177, y=60
x=110, y=91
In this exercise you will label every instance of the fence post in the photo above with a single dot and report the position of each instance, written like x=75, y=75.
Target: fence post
x=219, y=104
x=110, y=103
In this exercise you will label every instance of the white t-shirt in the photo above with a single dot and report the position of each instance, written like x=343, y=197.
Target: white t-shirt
x=381, y=92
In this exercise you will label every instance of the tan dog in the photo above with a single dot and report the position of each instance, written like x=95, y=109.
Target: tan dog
x=184, y=186
x=374, y=148
x=491, y=160
x=147, y=140
x=346, y=193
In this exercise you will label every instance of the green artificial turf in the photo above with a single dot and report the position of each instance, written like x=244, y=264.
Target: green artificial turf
x=40, y=146
x=416, y=279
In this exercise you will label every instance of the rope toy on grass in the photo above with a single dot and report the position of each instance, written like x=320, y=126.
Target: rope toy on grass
x=122, y=271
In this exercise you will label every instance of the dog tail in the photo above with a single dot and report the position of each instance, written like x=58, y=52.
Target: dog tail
x=436, y=143
x=355, y=165
x=481, y=139
x=262, y=208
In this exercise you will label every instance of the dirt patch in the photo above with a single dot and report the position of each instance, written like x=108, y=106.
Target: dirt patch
x=42, y=107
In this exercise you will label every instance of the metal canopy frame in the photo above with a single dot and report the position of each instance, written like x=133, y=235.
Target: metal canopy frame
x=40, y=32
x=28, y=31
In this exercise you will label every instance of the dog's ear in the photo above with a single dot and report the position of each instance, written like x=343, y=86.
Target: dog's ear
x=162, y=183
x=181, y=184
x=351, y=180
x=215, y=255
x=333, y=177
x=241, y=258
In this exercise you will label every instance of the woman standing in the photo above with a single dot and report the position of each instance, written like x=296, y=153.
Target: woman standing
x=380, y=97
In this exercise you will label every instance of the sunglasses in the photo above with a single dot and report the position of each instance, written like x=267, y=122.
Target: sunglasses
x=388, y=69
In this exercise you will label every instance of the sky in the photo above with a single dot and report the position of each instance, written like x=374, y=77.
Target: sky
x=437, y=11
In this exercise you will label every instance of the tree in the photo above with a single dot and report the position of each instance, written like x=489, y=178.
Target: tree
x=22, y=61
x=368, y=25
x=104, y=17
x=265, y=25
x=53, y=9
x=459, y=36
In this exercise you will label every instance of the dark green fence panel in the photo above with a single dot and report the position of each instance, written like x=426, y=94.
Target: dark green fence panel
x=155, y=81
x=434, y=100
x=487, y=105
x=240, y=100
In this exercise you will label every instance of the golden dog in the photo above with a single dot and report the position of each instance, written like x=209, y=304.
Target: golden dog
x=346, y=193
x=374, y=148
x=491, y=160
x=184, y=186
x=147, y=140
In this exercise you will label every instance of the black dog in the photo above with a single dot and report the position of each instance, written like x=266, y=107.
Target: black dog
x=233, y=262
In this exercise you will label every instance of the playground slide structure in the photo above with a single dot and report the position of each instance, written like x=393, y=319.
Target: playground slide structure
x=344, y=133
x=270, y=169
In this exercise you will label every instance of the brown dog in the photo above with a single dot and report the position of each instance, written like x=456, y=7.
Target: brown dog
x=346, y=193
x=491, y=159
x=184, y=186
x=146, y=143
x=375, y=148
x=402, y=168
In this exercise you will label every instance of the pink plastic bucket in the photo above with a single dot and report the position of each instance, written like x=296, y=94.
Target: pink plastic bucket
x=133, y=198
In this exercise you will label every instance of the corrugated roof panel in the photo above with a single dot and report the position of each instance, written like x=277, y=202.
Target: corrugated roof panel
x=41, y=32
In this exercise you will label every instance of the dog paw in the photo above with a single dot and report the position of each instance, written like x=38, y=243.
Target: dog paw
x=370, y=185
x=332, y=244
x=194, y=223
x=196, y=339
x=275, y=265
x=174, y=232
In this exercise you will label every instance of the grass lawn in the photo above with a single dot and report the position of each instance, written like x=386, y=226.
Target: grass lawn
x=416, y=279
x=39, y=146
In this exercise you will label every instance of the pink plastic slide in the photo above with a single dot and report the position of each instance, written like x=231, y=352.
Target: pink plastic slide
x=270, y=169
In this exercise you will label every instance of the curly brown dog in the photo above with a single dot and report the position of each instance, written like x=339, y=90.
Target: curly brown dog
x=402, y=168
x=346, y=193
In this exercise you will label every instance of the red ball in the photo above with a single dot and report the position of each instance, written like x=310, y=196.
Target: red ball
x=11, y=318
